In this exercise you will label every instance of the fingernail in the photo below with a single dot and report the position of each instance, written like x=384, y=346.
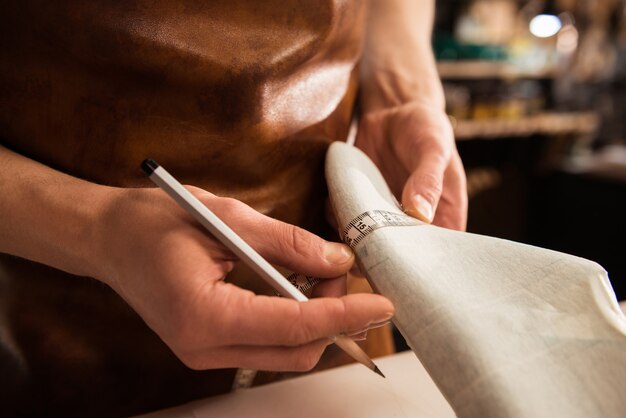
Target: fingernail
x=337, y=253
x=353, y=334
x=423, y=209
x=383, y=319
x=379, y=324
x=362, y=336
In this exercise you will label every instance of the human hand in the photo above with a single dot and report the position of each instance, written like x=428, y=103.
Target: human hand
x=413, y=146
x=171, y=272
x=403, y=127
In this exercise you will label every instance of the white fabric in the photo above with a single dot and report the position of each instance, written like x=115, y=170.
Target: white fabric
x=504, y=329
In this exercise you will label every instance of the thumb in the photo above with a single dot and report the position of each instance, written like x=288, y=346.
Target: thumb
x=299, y=250
x=283, y=244
x=422, y=190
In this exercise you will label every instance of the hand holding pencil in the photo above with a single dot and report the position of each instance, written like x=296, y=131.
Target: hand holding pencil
x=171, y=272
x=245, y=252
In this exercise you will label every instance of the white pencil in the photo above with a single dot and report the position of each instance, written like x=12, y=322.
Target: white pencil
x=241, y=249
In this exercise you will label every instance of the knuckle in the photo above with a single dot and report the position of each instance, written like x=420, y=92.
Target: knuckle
x=303, y=331
x=299, y=331
x=301, y=241
x=339, y=312
x=197, y=191
x=336, y=309
x=294, y=240
x=374, y=118
x=230, y=205
x=431, y=148
x=432, y=184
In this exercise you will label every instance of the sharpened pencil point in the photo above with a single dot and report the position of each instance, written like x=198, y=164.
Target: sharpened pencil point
x=377, y=370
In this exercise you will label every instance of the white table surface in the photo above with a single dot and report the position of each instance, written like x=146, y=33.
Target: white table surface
x=345, y=392
x=350, y=391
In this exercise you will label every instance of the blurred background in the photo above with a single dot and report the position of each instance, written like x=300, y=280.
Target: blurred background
x=536, y=91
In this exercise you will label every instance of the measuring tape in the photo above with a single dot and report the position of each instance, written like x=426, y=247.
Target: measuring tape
x=303, y=283
x=352, y=234
x=369, y=221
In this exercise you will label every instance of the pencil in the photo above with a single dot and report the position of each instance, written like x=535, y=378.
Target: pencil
x=242, y=250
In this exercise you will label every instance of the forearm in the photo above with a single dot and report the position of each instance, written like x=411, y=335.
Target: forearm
x=398, y=64
x=48, y=216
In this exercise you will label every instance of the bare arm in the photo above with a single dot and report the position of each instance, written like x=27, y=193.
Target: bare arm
x=399, y=65
x=151, y=252
x=48, y=216
x=404, y=127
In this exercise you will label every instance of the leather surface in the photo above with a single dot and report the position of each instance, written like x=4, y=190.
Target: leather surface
x=239, y=97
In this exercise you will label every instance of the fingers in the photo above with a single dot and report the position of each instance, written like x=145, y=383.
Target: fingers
x=332, y=288
x=273, y=358
x=281, y=243
x=424, y=142
x=414, y=147
x=423, y=189
x=427, y=161
x=300, y=250
x=261, y=320
x=276, y=358
x=452, y=210
x=270, y=333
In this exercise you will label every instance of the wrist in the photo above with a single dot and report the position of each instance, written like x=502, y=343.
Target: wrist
x=99, y=231
x=398, y=64
x=48, y=216
x=386, y=89
x=398, y=80
x=73, y=245
x=112, y=233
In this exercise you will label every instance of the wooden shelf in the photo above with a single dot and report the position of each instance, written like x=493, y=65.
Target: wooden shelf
x=553, y=123
x=479, y=70
x=609, y=162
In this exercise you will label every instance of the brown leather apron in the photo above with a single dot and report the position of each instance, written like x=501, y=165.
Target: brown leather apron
x=239, y=97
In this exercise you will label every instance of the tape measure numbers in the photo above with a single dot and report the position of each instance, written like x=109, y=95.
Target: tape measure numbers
x=303, y=283
x=353, y=233
x=369, y=221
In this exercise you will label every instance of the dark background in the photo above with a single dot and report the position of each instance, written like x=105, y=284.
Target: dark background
x=541, y=122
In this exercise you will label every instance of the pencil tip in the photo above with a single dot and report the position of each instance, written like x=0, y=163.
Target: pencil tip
x=377, y=370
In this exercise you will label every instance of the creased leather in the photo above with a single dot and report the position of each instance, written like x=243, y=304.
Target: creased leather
x=239, y=97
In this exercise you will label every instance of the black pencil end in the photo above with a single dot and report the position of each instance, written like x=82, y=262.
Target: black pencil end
x=377, y=370
x=148, y=166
